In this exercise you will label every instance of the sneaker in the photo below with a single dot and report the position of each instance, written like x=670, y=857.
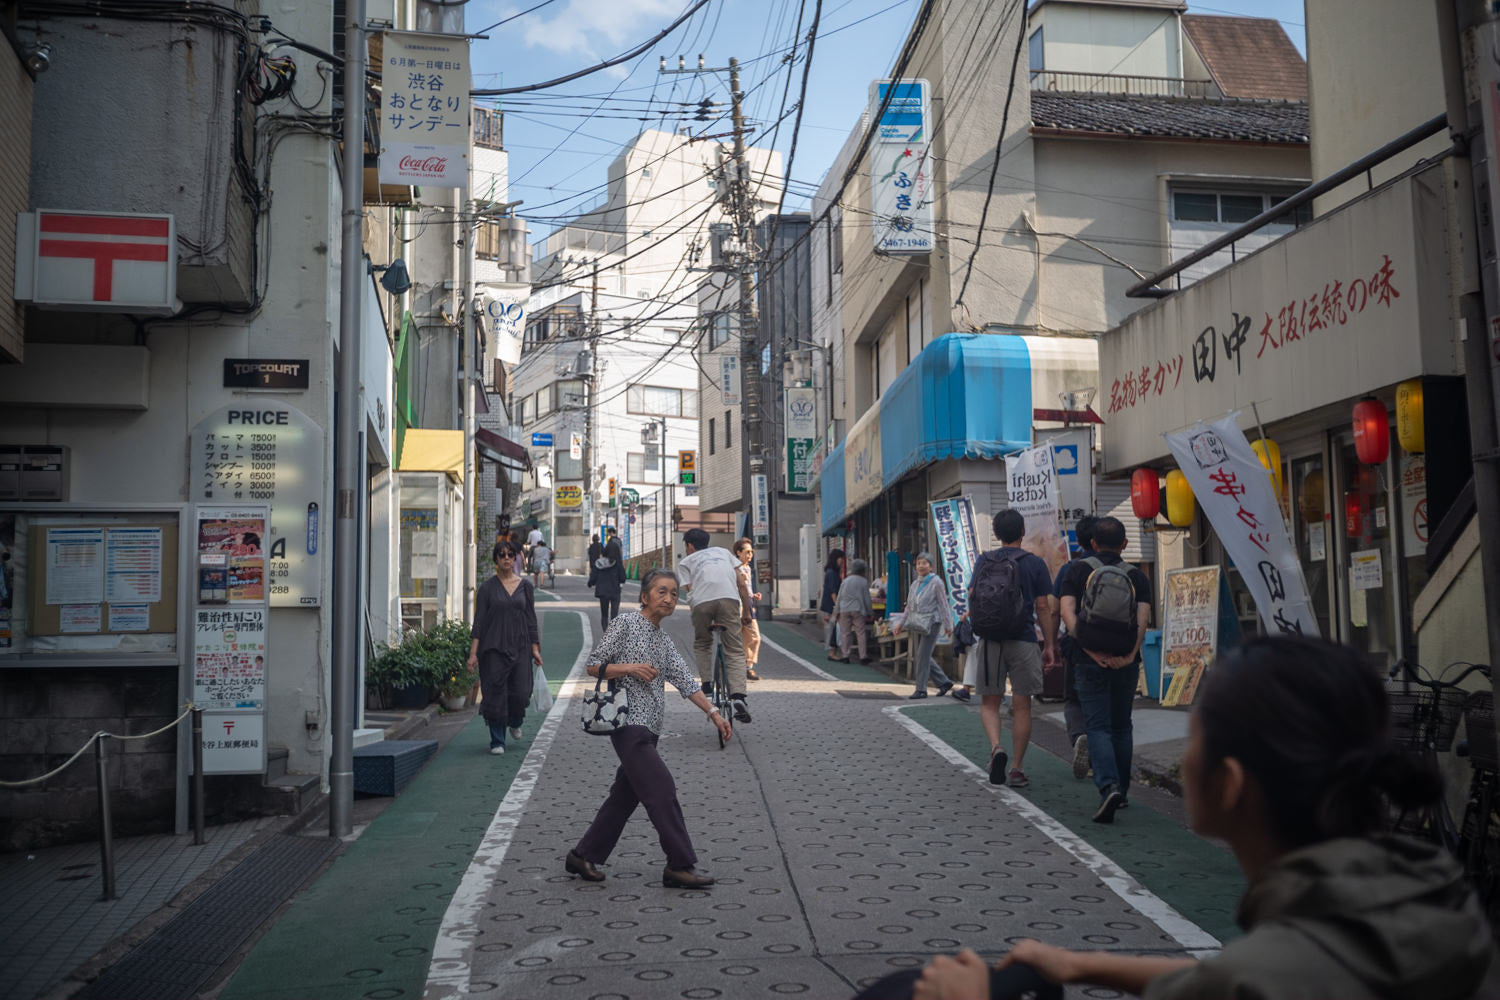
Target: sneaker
x=515, y=732
x=497, y=751
x=741, y=713
x=962, y=694
x=945, y=689
x=1081, y=757
x=998, y=760
x=1018, y=778
x=1108, y=806
x=916, y=695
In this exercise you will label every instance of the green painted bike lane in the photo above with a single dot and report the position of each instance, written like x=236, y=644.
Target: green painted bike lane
x=1197, y=878
x=366, y=927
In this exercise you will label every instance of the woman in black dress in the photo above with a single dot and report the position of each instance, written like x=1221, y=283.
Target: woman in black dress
x=506, y=642
x=607, y=576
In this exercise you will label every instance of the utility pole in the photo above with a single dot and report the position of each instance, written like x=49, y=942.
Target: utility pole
x=348, y=421
x=468, y=375
x=591, y=395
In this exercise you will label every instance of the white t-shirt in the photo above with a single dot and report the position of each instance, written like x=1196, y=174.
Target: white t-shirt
x=711, y=575
x=535, y=536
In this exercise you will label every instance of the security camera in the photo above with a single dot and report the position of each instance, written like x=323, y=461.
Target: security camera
x=38, y=57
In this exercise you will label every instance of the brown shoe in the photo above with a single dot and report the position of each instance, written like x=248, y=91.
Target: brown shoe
x=583, y=869
x=684, y=878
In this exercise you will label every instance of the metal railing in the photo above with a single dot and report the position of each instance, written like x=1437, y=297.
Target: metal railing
x=1073, y=82
x=1146, y=287
x=106, y=827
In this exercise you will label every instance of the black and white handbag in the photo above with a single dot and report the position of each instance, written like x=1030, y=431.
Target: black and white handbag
x=606, y=709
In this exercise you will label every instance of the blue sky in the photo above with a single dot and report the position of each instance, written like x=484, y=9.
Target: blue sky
x=559, y=154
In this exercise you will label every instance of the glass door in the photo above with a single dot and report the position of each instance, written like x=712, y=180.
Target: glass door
x=1311, y=523
x=1366, y=585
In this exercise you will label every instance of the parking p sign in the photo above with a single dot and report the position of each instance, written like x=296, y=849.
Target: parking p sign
x=687, y=468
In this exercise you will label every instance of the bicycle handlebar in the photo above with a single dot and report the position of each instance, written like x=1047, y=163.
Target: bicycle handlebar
x=1434, y=684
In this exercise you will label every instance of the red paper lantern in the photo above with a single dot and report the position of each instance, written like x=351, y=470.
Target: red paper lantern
x=1145, y=494
x=1372, y=431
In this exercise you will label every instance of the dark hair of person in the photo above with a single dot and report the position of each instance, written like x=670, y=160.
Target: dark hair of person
x=1010, y=526
x=834, y=555
x=1084, y=530
x=697, y=538
x=1309, y=720
x=652, y=575
x=1109, y=534
x=743, y=544
x=506, y=548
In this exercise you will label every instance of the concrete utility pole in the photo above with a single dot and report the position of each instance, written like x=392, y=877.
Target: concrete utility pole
x=468, y=373
x=590, y=396
x=348, y=421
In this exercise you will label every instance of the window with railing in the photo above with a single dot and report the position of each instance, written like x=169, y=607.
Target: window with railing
x=489, y=130
x=1084, y=82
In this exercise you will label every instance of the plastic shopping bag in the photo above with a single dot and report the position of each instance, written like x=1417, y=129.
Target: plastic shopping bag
x=541, y=694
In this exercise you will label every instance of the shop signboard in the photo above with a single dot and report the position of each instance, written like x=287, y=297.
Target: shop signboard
x=268, y=452
x=234, y=743
x=569, y=497
x=958, y=547
x=1239, y=501
x=505, y=316
x=1073, y=463
x=901, y=190
x=1190, y=633
x=760, y=509
x=863, y=480
x=801, y=432
x=729, y=379
x=1032, y=484
x=1413, y=508
x=424, y=115
x=230, y=616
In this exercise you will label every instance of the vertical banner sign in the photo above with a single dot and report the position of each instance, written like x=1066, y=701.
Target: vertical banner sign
x=1236, y=495
x=729, y=379
x=505, y=314
x=230, y=614
x=1190, y=636
x=1073, y=464
x=901, y=167
x=958, y=547
x=1032, y=482
x=801, y=432
x=424, y=125
x=760, y=510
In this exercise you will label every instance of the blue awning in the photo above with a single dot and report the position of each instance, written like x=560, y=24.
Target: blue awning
x=831, y=489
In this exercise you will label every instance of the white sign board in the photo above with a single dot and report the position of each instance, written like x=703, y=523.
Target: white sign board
x=1236, y=495
x=760, y=510
x=229, y=658
x=729, y=379
x=268, y=452
x=234, y=743
x=424, y=114
x=1073, y=464
x=801, y=432
x=1414, y=525
x=504, y=307
x=901, y=167
x=97, y=261
x=1032, y=484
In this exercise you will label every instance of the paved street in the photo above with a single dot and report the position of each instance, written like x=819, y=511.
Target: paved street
x=851, y=834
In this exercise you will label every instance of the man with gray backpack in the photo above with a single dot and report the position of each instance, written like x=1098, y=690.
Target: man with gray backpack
x=1106, y=604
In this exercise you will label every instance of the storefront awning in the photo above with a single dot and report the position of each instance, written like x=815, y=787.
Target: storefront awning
x=425, y=450
x=965, y=395
x=501, y=450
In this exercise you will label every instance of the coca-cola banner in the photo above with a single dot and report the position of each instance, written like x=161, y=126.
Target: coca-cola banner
x=424, y=114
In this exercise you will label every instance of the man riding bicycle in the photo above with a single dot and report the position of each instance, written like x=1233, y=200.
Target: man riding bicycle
x=719, y=596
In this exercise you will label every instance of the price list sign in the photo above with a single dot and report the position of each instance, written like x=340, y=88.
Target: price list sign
x=269, y=454
x=1191, y=633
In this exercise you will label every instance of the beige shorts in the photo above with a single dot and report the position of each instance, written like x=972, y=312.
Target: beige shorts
x=1020, y=660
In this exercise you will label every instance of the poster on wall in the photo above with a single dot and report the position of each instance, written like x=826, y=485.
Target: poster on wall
x=229, y=658
x=1032, y=485
x=231, y=636
x=231, y=548
x=1190, y=632
x=958, y=547
x=234, y=743
x=75, y=565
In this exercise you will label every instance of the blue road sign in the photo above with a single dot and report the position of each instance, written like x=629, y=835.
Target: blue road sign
x=541, y=440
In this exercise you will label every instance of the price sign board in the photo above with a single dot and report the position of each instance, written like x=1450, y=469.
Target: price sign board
x=1191, y=633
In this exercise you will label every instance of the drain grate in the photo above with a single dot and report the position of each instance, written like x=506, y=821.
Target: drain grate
x=861, y=693
x=187, y=950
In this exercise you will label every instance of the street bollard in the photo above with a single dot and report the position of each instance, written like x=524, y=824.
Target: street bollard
x=106, y=834
x=198, y=776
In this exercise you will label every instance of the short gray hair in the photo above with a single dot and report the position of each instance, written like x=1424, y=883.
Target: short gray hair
x=925, y=555
x=859, y=568
x=652, y=575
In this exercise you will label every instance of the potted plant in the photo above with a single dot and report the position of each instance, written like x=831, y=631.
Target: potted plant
x=448, y=653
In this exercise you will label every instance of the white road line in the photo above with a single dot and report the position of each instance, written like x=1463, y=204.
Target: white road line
x=449, y=974
x=766, y=640
x=1147, y=903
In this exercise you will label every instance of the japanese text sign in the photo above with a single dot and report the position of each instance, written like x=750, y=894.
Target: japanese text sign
x=958, y=547
x=901, y=194
x=1236, y=495
x=1032, y=483
x=424, y=115
x=97, y=261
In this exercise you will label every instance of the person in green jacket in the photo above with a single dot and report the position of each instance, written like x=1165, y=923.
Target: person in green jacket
x=1290, y=762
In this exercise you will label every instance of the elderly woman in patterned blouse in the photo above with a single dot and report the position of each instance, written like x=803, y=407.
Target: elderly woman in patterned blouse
x=636, y=650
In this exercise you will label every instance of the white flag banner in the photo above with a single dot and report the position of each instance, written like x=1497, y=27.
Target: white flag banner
x=1032, y=482
x=1236, y=495
x=424, y=114
x=504, y=308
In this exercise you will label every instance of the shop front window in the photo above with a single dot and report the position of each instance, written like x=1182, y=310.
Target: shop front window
x=1310, y=527
x=1366, y=576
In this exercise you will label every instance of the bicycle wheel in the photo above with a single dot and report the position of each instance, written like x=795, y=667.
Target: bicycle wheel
x=721, y=690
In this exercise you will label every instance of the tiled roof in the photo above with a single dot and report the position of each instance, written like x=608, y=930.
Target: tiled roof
x=1171, y=117
x=1248, y=56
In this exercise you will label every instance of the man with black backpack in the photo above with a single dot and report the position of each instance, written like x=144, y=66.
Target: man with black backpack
x=1106, y=605
x=1009, y=593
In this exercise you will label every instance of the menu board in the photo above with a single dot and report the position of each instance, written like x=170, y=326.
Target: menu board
x=1190, y=634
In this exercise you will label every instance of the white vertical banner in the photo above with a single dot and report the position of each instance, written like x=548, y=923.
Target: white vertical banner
x=504, y=309
x=1236, y=495
x=801, y=432
x=901, y=167
x=760, y=510
x=958, y=547
x=424, y=113
x=729, y=378
x=1032, y=482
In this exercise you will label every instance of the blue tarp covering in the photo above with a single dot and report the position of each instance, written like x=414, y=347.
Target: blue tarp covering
x=966, y=395
x=831, y=489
